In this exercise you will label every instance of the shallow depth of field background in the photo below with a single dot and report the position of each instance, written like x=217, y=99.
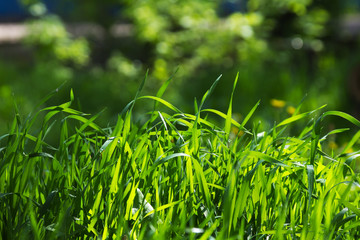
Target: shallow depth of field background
x=284, y=51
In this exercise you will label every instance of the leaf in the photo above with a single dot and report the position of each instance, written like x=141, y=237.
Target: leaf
x=351, y=143
x=235, y=123
x=162, y=101
x=338, y=218
x=208, y=93
x=163, y=160
x=315, y=139
x=94, y=210
x=244, y=193
x=348, y=163
x=50, y=95
x=229, y=201
x=140, y=89
x=343, y=115
x=336, y=131
x=166, y=84
x=115, y=178
x=298, y=117
x=267, y=158
x=202, y=183
x=41, y=154
x=207, y=234
x=311, y=181
x=163, y=207
x=229, y=112
x=87, y=122
x=351, y=207
x=48, y=202
x=248, y=116
x=71, y=95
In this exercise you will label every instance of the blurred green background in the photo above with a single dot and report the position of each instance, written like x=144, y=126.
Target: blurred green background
x=283, y=50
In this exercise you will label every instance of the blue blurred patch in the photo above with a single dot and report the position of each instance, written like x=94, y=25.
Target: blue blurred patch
x=229, y=7
x=12, y=9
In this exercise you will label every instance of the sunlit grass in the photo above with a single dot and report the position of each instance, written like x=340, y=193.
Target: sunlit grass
x=176, y=176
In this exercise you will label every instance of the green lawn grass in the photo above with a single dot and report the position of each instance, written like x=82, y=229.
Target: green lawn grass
x=176, y=176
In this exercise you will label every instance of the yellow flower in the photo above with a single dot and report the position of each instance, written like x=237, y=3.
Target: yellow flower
x=333, y=145
x=290, y=110
x=277, y=103
x=350, y=150
x=236, y=131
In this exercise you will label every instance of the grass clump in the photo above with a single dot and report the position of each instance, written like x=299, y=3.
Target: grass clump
x=176, y=176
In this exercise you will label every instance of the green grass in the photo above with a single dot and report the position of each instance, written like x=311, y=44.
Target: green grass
x=176, y=176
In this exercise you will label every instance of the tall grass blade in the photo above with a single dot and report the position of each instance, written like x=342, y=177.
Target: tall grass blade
x=248, y=116
x=229, y=112
x=344, y=116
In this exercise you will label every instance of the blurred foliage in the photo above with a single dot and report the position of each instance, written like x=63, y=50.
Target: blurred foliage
x=271, y=43
x=53, y=41
x=282, y=49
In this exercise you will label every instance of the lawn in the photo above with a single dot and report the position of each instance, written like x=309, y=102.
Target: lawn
x=177, y=175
